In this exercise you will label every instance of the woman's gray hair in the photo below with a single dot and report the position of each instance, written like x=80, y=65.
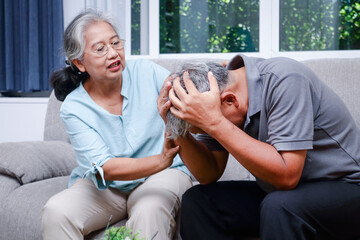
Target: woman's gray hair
x=198, y=71
x=74, y=42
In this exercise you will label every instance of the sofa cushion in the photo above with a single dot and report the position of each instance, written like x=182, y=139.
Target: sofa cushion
x=21, y=210
x=235, y=171
x=33, y=161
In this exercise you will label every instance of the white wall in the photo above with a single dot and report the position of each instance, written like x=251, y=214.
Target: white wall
x=22, y=119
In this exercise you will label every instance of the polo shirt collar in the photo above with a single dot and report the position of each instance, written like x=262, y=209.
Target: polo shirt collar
x=254, y=81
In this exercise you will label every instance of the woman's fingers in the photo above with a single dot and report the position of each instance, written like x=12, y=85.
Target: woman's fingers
x=163, y=102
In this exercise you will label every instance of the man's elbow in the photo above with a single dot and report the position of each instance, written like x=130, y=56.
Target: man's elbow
x=286, y=183
x=206, y=180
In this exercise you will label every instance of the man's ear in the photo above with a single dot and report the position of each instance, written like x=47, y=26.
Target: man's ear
x=79, y=65
x=229, y=99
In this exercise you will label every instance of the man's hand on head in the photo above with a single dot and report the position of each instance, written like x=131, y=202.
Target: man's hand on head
x=201, y=110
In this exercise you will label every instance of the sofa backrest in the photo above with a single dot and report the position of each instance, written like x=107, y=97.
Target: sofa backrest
x=343, y=76
x=54, y=127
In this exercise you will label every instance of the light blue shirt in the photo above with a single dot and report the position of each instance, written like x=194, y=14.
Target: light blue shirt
x=97, y=135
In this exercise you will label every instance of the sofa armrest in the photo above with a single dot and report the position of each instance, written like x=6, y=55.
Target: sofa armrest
x=33, y=161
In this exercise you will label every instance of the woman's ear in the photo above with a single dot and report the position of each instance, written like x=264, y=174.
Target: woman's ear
x=79, y=65
x=229, y=99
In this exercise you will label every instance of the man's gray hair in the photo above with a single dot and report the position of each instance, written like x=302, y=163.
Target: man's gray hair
x=198, y=71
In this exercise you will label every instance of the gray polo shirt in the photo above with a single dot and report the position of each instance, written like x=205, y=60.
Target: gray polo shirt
x=291, y=109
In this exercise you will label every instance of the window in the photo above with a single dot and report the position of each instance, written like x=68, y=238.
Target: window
x=135, y=27
x=209, y=26
x=307, y=25
x=264, y=28
x=131, y=16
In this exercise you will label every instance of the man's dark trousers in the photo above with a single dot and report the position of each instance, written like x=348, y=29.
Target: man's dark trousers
x=241, y=210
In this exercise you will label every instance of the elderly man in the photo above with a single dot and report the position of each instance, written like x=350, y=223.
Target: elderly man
x=286, y=127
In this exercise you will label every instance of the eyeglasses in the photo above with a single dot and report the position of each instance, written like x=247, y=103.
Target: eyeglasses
x=102, y=49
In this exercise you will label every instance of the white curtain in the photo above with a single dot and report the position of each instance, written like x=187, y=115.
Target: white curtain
x=116, y=7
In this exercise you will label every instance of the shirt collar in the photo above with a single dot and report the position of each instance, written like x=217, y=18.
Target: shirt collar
x=254, y=81
x=125, y=82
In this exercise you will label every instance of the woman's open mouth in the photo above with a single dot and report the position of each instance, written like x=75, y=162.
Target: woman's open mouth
x=115, y=66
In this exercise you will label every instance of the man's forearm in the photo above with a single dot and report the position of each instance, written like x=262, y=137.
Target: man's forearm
x=260, y=158
x=200, y=161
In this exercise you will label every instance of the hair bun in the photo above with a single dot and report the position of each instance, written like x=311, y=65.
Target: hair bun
x=66, y=80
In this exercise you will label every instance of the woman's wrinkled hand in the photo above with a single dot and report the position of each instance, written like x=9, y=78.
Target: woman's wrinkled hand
x=169, y=152
x=163, y=102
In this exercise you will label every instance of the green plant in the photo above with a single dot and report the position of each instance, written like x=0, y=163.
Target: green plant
x=120, y=233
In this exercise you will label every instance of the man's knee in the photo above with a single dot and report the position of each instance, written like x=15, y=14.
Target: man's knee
x=192, y=198
x=273, y=202
x=283, y=209
x=282, y=201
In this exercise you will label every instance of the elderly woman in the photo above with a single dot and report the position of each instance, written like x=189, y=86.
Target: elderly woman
x=125, y=167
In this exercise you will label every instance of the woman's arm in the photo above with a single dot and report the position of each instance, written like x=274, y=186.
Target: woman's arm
x=135, y=168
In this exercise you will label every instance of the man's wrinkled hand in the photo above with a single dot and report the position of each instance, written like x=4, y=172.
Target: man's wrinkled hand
x=201, y=110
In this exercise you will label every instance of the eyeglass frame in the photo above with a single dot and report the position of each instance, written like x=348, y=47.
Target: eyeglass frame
x=106, y=50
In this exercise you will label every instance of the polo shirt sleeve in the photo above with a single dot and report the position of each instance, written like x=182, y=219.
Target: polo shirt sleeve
x=91, y=151
x=290, y=113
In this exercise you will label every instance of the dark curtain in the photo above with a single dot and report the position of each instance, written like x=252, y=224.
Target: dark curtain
x=30, y=43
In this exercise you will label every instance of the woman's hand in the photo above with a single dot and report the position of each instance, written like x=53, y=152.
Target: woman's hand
x=201, y=110
x=163, y=102
x=169, y=152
